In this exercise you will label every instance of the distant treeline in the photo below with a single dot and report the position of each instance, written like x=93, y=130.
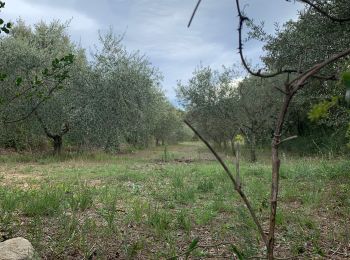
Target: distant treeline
x=319, y=115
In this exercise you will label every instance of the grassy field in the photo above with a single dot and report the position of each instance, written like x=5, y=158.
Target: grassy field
x=148, y=205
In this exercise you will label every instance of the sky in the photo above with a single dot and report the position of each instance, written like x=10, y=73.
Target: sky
x=158, y=29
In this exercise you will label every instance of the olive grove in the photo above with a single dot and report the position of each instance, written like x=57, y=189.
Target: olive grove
x=52, y=89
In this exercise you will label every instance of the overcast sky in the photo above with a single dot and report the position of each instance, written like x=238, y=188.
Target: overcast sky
x=158, y=28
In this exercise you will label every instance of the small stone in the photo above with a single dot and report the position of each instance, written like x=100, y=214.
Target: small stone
x=17, y=248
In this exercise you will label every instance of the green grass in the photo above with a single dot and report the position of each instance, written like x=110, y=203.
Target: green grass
x=98, y=206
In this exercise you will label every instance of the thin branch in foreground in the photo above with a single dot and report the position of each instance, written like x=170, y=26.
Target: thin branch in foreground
x=302, y=78
x=258, y=73
x=194, y=13
x=234, y=182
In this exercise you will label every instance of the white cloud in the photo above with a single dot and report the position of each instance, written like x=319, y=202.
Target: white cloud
x=33, y=13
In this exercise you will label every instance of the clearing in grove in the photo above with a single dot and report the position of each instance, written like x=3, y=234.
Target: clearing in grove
x=152, y=204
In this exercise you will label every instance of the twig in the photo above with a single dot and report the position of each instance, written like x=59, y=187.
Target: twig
x=182, y=254
x=335, y=251
x=34, y=109
x=242, y=20
x=235, y=184
x=288, y=138
x=194, y=13
x=258, y=73
x=299, y=81
x=276, y=258
x=282, y=91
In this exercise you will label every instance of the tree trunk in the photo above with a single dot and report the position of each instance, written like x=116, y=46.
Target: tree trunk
x=157, y=142
x=275, y=175
x=238, y=179
x=56, y=138
x=233, y=147
x=217, y=143
x=253, y=148
x=57, y=144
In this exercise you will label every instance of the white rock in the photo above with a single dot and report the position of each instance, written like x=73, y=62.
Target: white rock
x=17, y=248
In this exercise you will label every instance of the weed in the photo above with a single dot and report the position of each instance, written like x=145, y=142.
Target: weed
x=204, y=216
x=205, y=185
x=183, y=221
x=159, y=219
x=138, y=210
x=133, y=249
x=82, y=199
x=44, y=202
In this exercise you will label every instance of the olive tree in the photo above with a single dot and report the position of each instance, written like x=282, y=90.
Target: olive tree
x=35, y=54
x=256, y=109
x=124, y=92
x=205, y=96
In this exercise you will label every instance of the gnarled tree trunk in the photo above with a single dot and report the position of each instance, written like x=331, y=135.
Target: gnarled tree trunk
x=57, y=139
x=57, y=144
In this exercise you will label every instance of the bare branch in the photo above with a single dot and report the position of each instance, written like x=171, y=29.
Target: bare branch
x=300, y=80
x=34, y=108
x=27, y=115
x=258, y=73
x=288, y=139
x=234, y=182
x=194, y=13
x=242, y=20
x=282, y=91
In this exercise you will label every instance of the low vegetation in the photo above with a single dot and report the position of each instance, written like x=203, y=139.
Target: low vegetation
x=103, y=206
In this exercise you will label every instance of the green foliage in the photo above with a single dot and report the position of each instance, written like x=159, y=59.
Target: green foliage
x=81, y=199
x=205, y=185
x=42, y=203
x=346, y=82
x=348, y=135
x=237, y=252
x=168, y=128
x=221, y=106
x=4, y=28
x=159, y=219
x=2, y=76
x=183, y=221
x=239, y=139
x=112, y=102
x=210, y=102
x=346, y=79
x=321, y=110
